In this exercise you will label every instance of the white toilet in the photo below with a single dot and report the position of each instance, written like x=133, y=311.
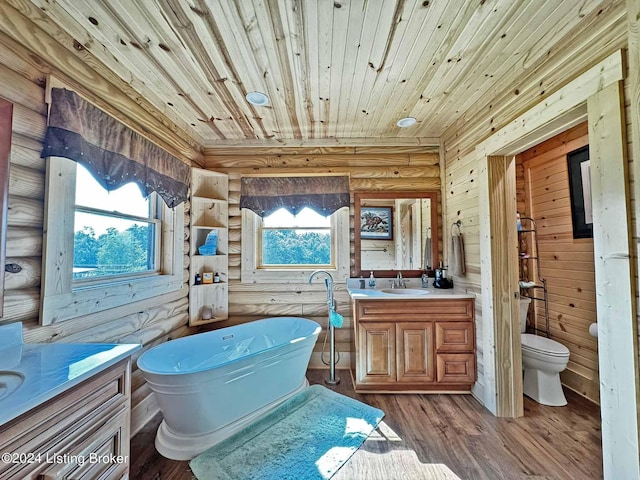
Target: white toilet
x=542, y=361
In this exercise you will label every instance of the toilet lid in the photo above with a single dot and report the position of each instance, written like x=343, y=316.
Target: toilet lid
x=543, y=345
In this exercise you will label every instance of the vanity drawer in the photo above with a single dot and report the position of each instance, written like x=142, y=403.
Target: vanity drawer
x=451, y=310
x=454, y=337
x=455, y=368
x=99, y=450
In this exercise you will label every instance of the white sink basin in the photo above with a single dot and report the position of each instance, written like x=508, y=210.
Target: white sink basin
x=405, y=291
x=9, y=383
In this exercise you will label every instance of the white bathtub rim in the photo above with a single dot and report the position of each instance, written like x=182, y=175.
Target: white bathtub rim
x=148, y=367
x=154, y=378
x=185, y=447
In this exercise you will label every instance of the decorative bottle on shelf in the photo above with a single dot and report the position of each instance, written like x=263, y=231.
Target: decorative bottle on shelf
x=372, y=280
x=198, y=279
x=216, y=277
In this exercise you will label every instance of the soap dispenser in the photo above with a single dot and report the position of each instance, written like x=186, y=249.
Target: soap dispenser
x=372, y=280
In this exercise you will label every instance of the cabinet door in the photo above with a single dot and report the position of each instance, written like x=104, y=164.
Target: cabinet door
x=454, y=337
x=376, y=352
x=456, y=368
x=415, y=352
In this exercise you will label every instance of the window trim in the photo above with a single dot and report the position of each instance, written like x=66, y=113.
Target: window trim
x=250, y=273
x=62, y=300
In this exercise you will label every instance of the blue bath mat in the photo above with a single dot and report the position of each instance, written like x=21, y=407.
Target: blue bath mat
x=310, y=436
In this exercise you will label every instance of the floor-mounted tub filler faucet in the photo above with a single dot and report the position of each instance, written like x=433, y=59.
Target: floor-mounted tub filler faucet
x=328, y=282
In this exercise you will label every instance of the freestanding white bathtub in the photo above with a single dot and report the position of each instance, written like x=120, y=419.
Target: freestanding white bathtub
x=210, y=385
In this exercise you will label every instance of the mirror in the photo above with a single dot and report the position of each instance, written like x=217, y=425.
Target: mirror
x=395, y=232
x=6, y=111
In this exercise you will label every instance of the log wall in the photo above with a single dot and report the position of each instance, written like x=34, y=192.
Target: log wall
x=369, y=169
x=22, y=82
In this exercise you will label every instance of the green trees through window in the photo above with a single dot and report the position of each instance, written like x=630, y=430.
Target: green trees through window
x=296, y=247
x=113, y=252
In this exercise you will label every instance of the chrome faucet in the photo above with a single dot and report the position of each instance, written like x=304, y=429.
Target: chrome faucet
x=399, y=281
x=328, y=281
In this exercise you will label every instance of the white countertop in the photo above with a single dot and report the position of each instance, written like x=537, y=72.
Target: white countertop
x=413, y=291
x=48, y=369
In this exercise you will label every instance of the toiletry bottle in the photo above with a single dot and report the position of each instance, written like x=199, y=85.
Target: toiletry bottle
x=216, y=277
x=424, y=279
x=372, y=280
x=198, y=279
x=518, y=222
x=362, y=285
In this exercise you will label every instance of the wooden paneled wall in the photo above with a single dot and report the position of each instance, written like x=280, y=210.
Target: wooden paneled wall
x=149, y=322
x=565, y=262
x=601, y=35
x=369, y=169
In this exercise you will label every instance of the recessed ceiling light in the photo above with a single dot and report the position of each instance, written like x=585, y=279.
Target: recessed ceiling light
x=406, y=122
x=257, y=98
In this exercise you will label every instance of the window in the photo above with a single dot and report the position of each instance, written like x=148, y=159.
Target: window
x=104, y=249
x=115, y=233
x=289, y=241
x=285, y=248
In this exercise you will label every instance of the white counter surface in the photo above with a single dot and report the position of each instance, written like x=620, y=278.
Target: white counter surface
x=47, y=369
x=382, y=291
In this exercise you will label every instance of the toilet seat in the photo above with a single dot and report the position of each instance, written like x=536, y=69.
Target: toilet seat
x=542, y=345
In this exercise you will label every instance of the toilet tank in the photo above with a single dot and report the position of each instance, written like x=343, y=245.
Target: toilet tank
x=524, y=308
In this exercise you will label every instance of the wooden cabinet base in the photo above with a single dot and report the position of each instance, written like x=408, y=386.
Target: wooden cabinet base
x=82, y=433
x=415, y=346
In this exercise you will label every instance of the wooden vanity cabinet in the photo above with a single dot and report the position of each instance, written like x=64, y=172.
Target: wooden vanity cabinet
x=414, y=345
x=82, y=433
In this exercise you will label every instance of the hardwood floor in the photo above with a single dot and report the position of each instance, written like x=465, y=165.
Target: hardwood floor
x=443, y=437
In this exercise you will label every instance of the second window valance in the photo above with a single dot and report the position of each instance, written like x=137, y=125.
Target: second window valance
x=265, y=195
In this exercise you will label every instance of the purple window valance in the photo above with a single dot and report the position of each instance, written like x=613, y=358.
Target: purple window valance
x=265, y=195
x=111, y=151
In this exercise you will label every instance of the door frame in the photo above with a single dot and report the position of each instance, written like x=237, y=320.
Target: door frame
x=596, y=96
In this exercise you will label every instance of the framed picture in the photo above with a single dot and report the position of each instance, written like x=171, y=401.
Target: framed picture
x=580, y=192
x=376, y=223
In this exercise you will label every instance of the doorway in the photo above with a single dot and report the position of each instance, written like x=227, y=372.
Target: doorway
x=558, y=254
x=594, y=96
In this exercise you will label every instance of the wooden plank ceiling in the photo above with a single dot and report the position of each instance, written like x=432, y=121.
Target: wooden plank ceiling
x=336, y=71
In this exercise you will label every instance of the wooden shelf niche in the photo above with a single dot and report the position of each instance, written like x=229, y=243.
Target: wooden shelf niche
x=209, y=211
